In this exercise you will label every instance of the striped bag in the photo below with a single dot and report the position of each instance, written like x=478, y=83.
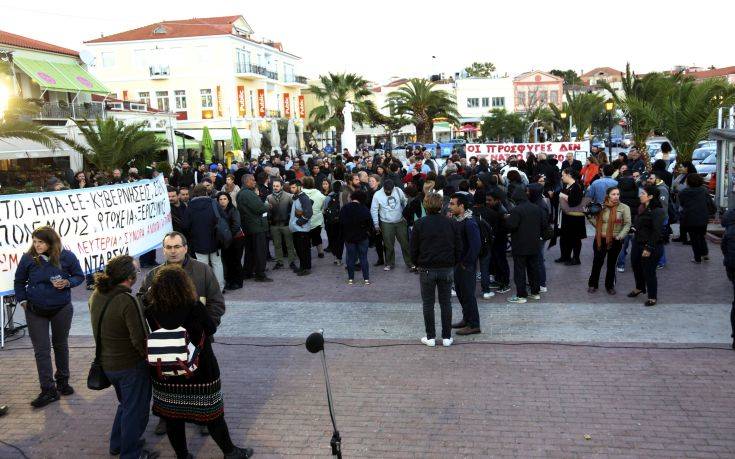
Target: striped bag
x=171, y=353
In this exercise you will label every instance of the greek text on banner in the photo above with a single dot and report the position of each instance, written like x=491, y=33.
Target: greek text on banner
x=96, y=224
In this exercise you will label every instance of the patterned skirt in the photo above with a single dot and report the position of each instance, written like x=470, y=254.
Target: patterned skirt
x=197, y=403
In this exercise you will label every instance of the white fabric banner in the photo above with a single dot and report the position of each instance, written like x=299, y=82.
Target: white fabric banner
x=96, y=224
x=507, y=151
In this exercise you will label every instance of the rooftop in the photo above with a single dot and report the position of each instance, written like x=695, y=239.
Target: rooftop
x=19, y=41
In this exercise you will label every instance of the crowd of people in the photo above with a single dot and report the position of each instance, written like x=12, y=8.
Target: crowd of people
x=455, y=224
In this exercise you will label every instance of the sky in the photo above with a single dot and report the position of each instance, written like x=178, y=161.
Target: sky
x=381, y=39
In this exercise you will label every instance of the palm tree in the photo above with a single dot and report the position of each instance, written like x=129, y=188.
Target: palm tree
x=583, y=108
x=333, y=91
x=421, y=103
x=501, y=126
x=15, y=124
x=113, y=143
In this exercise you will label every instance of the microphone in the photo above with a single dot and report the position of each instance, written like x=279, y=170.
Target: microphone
x=315, y=344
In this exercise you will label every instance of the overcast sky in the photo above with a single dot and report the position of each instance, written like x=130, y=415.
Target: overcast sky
x=384, y=38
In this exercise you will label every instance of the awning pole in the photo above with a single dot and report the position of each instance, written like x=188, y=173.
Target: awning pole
x=73, y=111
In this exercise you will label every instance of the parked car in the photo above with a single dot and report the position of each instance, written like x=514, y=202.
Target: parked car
x=707, y=167
x=627, y=140
x=707, y=143
x=598, y=142
x=654, y=147
x=617, y=140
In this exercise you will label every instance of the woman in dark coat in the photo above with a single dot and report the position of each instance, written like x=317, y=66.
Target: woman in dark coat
x=647, y=244
x=573, y=226
x=232, y=255
x=197, y=397
x=694, y=215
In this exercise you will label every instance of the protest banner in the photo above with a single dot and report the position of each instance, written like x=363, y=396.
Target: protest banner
x=507, y=151
x=96, y=224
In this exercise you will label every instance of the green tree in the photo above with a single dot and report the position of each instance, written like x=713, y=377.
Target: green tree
x=15, y=123
x=333, y=91
x=480, y=69
x=421, y=103
x=583, y=109
x=501, y=126
x=114, y=144
x=570, y=77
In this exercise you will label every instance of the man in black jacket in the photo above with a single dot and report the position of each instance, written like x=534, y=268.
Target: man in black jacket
x=436, y=247
x=525, y=223
x=571, y=163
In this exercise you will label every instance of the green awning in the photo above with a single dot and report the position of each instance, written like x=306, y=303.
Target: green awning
x=191, y=144
x=56, y=76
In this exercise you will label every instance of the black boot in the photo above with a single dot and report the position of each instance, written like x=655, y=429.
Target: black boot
x=63, y=387
x=45, y=397
x=239, y=453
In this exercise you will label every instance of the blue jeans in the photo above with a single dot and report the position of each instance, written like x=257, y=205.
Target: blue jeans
x=355, y=251
x=464, y=285
x=624, y=251
x=133, y=390
x=485, y=272
x=541, y=266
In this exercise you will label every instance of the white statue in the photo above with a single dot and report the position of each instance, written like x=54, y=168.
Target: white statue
x=349, y=141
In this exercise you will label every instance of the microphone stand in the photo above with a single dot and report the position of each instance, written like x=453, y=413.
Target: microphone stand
x=336, y=441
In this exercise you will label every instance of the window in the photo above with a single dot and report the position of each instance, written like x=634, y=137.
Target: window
x=521, y=98
x=554, y=97
x=485, y=101
x=243, y=61
x=180, y=96
x=108, y=59
x=473, y=102
x=498, y=102
x=162, y=101
x=288, y=73
x=144, y=97
x=206, y=98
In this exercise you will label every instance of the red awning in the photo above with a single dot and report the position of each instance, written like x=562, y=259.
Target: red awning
x=468, y=128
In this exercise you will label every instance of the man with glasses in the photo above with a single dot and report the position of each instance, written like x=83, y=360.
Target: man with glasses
x=208, y=289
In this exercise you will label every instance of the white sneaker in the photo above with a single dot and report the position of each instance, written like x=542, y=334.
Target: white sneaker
x=386, y=268
x=543, y=289
x=454, y=293
x=517, y=299
x=447, y=342
x=534, y=296
x=428, y=342
x=488, y=295
x=620, y=269
x=478, y=276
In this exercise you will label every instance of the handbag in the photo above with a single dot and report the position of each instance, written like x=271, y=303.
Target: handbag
x=97, y=379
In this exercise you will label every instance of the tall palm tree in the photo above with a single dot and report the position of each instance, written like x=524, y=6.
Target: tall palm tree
x=113, y=143
x=333, y=91
x=583, y=108
x=421, y=103
x=15, y=124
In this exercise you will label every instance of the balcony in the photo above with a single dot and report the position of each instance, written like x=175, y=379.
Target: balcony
x=62, y=110
x=294, y=81
x=249, y=71
x=159, y=72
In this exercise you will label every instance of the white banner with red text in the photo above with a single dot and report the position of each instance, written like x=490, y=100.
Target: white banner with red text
x=507, y=151
x=96, y=224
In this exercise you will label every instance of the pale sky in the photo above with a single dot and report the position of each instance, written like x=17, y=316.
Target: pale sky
x=380, y=39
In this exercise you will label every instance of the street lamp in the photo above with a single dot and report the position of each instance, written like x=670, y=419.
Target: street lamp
x=563, y=116
x=609, y=106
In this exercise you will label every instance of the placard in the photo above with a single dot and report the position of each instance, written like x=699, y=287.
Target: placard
x=506, y=151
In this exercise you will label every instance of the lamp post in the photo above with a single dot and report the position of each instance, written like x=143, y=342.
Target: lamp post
x=609, y=106
x=563, y=116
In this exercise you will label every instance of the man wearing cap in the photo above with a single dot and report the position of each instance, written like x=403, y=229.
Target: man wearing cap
x=387, y=213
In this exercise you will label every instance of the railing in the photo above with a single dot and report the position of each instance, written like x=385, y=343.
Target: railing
x=294, y=79
x=159, y=71
x=86, y=110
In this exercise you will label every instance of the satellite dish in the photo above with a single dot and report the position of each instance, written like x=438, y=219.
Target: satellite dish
x=87, y=58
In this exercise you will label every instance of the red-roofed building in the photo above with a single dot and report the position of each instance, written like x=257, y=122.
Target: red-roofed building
x=728, y=73
x=602, y=74
x=209, y=71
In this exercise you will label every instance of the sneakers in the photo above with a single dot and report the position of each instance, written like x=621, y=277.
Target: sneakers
x=413, y=269
x=660, y=266
x=302, y=272
x=447, y=342
x=387, y=268
x=45, y=397
x=366, y=282
x=428, y=342
x=240, y=453
x=338, y=262
x=488, y=295
x=534, y=296
x=350, y=282
x=620, y=269
x=478, y=276
x=503, y=289
x=494, y=285
x=543, y=289
x=517, y=299
x=468, y=331
x=64, y=388
x=277, y=266
x=454, y=293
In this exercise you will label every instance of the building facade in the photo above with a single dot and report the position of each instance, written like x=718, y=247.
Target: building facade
x=207, y=71
x=537, y=89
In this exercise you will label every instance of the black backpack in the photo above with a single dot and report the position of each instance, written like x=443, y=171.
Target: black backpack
x=486, y=235
x=331, y=213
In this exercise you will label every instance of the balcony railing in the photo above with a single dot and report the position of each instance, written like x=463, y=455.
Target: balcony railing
x=159, y=71
x=56, y=110
x=242, y=67
x=294, y=79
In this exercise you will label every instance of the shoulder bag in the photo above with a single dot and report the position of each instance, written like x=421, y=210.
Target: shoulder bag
x=97, y=379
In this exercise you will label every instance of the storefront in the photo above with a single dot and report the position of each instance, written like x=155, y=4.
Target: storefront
x=24, y=163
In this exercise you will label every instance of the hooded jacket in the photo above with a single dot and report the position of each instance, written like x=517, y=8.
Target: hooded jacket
x=388, y=209
x=33, y=284
x=202, y=224
x=317, y=206
x=525, y=224
x=279, y=211
x=301, y=205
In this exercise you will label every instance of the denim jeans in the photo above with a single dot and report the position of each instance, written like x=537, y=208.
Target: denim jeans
x=541, y=266
x=499, y=261
x=432, y=281
x=133, y=390
x=624, y=251
x=485, y=272
x=355, y=251
x=465, y=280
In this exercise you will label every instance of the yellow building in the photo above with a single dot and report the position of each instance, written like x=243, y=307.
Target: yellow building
x=208, y=71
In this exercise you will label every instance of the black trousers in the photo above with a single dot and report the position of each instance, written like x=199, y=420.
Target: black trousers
x=302, y=244
x=526, y=265
x=644, y=268
x=599, y=259
x=499, y=261
x=232, y=262
x=176, y=431
x=731, y=276
x=465, y=280
x=255, y=251
x=570, y=247
x=334, y=236
x=437, y=281
x=699, y=241
x=376, y=240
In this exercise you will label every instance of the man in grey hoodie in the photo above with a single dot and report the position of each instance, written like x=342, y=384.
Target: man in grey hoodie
x=387, y=213
x=301, y=213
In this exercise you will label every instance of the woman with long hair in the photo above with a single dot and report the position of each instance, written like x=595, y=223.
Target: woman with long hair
x=590, y=171
x=195, y=397
x=231, y=187
x=46, y=274
x=647, y=244
x=611, y=226
x=232, y=255
x=332, y=206
x=572, y=229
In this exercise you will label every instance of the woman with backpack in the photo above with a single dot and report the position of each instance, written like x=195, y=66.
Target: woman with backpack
x=189, y=391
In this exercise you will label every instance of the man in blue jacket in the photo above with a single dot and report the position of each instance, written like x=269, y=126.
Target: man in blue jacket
x=465, y=272
x=202, y=227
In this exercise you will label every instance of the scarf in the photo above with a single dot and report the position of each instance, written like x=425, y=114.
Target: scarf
x=277, y=196
x=609, y=231
x=467, y=214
